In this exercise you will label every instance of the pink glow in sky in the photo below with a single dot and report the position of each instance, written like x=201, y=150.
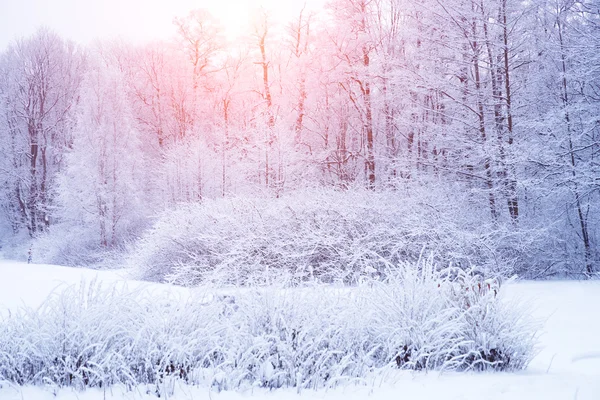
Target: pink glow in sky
x=133, y=20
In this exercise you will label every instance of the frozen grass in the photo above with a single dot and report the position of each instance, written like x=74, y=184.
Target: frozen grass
x=418, y=318
x=562, y=369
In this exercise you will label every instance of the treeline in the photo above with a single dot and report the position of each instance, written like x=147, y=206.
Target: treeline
x=496, y=101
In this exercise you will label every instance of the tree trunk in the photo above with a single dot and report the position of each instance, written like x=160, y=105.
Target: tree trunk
x=482, y=128
x=585, y=237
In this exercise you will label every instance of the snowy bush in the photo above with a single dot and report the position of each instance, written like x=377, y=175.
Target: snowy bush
x=70, y=245
x=278, y=336
x=497, y=337
x=326, y=234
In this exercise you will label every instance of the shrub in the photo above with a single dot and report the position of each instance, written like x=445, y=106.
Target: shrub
x=325, y=234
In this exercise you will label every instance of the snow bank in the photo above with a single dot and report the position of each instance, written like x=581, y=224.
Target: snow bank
x=402, y=385
x=30, y=284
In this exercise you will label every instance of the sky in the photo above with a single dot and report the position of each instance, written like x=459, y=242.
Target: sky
x=134, y=20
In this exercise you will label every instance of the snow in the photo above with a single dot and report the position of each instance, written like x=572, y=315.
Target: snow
x=567, y=366
x=570, y=314
x=30, y=284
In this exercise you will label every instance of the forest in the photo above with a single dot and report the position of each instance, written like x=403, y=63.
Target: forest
x=357, y=136
x=356, y=202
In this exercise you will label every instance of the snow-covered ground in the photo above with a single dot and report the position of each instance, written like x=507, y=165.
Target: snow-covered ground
x=566, y=367
x=30, y=284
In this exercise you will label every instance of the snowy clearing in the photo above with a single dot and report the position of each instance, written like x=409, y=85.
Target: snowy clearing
x=567, y=366
x=30, y=284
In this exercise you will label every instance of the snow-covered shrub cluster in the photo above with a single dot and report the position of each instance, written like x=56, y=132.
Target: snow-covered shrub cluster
x=73, y=245
x=322, y=335
x=323, y=233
